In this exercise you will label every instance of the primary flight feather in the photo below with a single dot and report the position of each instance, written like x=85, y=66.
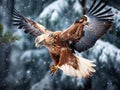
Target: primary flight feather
x=80, y=36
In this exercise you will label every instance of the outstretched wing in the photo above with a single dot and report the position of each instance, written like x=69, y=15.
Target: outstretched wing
x=99, y=21
x=29, y=26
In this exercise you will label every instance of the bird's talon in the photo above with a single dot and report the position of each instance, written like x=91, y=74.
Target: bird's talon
x=53, y=69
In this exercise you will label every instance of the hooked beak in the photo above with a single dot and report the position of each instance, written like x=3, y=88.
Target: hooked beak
x=39, y=45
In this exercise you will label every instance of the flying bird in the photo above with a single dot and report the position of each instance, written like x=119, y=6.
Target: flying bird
x=63, y=45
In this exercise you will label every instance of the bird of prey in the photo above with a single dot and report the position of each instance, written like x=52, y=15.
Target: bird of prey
x=63, y=45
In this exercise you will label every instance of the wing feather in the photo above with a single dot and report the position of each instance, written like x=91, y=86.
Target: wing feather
x=99, y=8
x=95, y=7
x=29, y=26
x=81, y=36
x=94, y=2
x=100, y=21
x=104, y=12
x=105, y=16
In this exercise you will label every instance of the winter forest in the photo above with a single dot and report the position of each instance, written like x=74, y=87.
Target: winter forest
x=25, y=67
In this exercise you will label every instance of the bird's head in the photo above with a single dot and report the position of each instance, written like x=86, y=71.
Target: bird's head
x=42, y=40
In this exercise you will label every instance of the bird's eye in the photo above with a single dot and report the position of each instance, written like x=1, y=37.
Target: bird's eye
x=50, y=35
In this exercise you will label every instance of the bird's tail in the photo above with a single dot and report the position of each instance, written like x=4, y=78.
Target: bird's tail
x=85, y=68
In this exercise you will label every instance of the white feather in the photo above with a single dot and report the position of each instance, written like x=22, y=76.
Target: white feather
x=85, y=68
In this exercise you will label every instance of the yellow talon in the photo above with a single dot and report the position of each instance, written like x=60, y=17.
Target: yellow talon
x=53, y=69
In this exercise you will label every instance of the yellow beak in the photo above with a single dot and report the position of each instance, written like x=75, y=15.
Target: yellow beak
x=38, y=45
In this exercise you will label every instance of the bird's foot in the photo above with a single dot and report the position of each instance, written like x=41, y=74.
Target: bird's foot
x=53, y=69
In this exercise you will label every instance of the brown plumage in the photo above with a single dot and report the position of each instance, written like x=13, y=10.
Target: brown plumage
x=80, y=36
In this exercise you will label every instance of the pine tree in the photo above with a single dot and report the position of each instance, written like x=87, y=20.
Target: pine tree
x=6, y=37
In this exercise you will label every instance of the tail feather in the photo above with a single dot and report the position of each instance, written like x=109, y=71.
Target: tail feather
x=84, y=70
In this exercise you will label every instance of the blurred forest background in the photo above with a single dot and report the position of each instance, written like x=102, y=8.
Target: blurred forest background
x=25, y=67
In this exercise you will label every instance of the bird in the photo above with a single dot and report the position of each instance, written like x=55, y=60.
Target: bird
x=63, y=45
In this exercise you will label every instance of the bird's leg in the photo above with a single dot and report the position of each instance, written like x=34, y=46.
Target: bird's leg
x=55, y=58
x=53, y=69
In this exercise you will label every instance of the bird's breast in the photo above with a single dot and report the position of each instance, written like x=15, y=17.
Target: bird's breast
x=55, y=49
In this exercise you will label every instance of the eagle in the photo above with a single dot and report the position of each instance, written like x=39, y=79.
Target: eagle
x=63, y=45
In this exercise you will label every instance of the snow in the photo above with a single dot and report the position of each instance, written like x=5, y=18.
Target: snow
x=44, y=84
x=108, y=51
x=54, y=10
x=54, y=16
x=116, y=17
x=28, y=54
x=77, y=7
x=23, y=39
